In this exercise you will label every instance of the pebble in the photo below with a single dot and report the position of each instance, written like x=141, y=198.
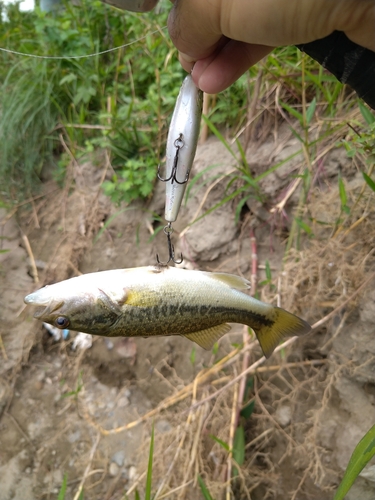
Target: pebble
x=283, y=415
x=132, y=474
x=28, y=470
x=109, y=344
x=38, y=385
x=119, y=457
x=113, y=469
x=74, y=436
x=122, y=402
x=163, y=426
x=368, y=473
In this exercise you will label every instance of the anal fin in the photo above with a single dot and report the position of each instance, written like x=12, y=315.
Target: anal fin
x=207, y=338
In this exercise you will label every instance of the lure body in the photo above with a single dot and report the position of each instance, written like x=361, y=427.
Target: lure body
x=150, y=301
x=182, y=140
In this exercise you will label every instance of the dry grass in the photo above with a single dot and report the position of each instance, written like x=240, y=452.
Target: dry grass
x=283, y=451
x=323, y=282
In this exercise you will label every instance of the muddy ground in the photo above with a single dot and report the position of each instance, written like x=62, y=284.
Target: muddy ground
x=62, y=410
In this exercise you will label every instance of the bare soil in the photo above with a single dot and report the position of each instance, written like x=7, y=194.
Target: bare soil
x=62, y=411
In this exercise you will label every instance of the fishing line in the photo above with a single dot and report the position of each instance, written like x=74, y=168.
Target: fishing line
x=2, y=49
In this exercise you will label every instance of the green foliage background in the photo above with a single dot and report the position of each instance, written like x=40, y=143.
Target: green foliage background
x=129, y=93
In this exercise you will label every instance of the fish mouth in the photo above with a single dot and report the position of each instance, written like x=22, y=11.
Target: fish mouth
x=44, y=312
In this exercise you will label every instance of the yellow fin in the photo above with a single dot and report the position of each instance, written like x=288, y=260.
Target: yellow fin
x=284, y=325
x=207, y=338
x=231, y=280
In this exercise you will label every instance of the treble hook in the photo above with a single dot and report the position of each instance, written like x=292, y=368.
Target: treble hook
x=168, y=230
x=178, y=144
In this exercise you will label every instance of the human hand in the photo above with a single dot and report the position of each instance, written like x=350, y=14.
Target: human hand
x=223, y=38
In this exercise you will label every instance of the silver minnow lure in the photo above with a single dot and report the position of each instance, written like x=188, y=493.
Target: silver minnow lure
x=182, y=139
x=162, y=301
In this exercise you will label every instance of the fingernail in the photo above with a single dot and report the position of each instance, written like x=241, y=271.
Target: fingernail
x=187, y=58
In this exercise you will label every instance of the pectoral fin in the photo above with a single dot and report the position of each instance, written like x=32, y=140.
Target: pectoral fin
x=207, y=338
x=286, y=324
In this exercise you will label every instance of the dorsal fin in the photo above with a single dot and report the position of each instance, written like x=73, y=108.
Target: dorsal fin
x=231, y=280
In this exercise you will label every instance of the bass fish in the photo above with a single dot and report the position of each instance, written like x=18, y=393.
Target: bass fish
x=162, y=300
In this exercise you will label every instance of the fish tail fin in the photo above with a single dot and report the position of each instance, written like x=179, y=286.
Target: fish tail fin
x=284, y=324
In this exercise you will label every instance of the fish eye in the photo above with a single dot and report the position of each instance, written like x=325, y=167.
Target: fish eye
x=61, y=322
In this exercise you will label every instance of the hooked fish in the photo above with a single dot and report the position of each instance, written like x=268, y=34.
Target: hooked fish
x=162, y=300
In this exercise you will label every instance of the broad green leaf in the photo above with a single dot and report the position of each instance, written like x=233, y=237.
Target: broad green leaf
x=310, y=111
x=304, y=226
x=366, y=113
x=296, y=134
x=206, y=494
x=342, y=192
x=239, y=445
x=292, y=111
x=222, y=443
x=369, y=181
x=247, y=410
x=63, y=488
x=362, y=454
x=239, y=207
x=71, y=77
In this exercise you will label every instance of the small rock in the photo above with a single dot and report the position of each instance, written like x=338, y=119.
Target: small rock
x=74, y=436
x=119, y=457
x=369, y=473
x=132, y=474
x=163, y=426
x=28, y=470
x=38, y=385
x=283, y=415
x=109, y=344
x=82, y=341
x=113, y=469
x=122, y=402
